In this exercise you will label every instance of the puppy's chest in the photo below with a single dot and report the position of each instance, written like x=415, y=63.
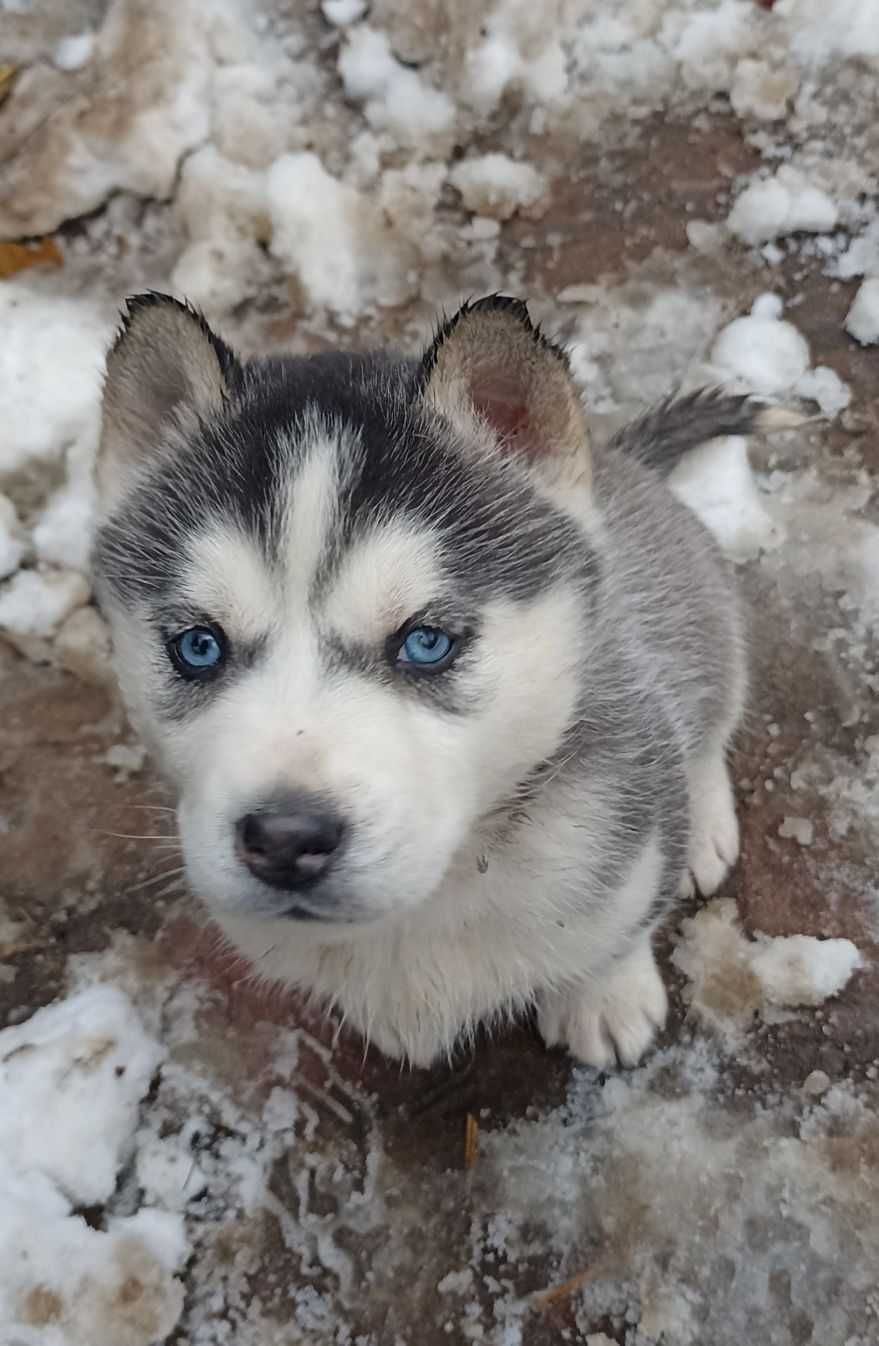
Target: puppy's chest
x=492, y=936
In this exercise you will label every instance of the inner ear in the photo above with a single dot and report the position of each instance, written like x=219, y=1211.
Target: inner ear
x=165, y=371
x=490, y=369
x=499, y=400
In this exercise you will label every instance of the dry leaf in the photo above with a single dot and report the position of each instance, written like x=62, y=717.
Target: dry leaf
x=15, y=257
x=7, y=75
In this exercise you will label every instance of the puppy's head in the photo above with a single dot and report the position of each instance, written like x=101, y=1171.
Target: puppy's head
x=350, y=598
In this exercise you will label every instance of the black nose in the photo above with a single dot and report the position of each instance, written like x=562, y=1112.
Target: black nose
x=290, y=843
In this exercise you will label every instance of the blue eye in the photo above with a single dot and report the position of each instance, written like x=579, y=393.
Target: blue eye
x=198, y=651
x=426, y=647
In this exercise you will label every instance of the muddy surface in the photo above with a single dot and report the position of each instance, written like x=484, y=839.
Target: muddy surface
x=371, y=1204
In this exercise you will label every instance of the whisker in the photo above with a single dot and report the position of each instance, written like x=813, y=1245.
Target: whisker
x=175, y=887
x=157, y=878
x=138, y=836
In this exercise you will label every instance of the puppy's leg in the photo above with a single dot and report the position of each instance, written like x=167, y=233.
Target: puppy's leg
x=714, y=828
x=613, y=1015
x=613, y=1020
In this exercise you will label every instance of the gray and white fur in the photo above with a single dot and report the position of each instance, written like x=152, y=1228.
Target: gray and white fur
x=424, y=849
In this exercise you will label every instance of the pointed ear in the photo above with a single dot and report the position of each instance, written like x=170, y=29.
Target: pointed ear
x=490, y=368
x=165, y=371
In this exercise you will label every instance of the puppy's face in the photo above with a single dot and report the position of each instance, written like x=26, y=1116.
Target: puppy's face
x=349, y=609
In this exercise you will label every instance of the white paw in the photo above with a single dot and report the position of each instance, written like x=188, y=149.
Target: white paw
x=714, y=828
x=609, y=1022
x=412, y=1043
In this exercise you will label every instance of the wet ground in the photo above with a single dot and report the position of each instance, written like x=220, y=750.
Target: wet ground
x=379, y=1225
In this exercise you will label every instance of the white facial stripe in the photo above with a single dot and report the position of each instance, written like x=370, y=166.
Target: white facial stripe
x=228, y=580
x=385, y=578
x=313, y=497
x=527, y=675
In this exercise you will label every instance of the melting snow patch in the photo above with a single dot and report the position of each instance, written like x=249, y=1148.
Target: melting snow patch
x=71, y=1080
x=660, y=1189
x=798, y=829
x=732, y=978
x=800, y=970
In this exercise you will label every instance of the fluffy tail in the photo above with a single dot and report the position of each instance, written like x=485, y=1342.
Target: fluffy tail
x=668, y=432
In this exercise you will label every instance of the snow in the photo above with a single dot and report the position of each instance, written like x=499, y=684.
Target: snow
x=732, y=978
x=126, y=758
x=761, y=352
x=91, y=1057
x=824, y=386
x=11, y=545
x=678, y=1187
x=796, y=970
x=862, y=320
x=787, y=203
x=71, y=1081
x=396, y=98
x=821, y=34
x=35, y=603
x=816, y=1083
x=341, y=13
x=72, y=53
x=761, y=90
x=314, y=216
x=518, y=48
x=861, y=257
x=768, y=355
x=295, y=169
x=51, y=361
x=63, y=532
x=82, y=646
x=798, y=829
x=163, y=111
x=494, y=185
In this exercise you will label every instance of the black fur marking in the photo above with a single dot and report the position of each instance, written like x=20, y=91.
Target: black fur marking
x=497, y=536
x=677, y=425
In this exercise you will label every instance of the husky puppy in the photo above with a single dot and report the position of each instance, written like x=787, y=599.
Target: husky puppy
x=445, y=693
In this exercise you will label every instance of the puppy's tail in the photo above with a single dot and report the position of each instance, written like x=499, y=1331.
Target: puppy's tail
x=675, y=427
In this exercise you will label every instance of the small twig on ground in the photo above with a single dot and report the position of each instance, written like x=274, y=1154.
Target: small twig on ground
x=547, y=1299
x=471, y=1140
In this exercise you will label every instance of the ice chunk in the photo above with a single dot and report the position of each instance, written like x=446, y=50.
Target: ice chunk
x=862, y=320
x=785, y=204
x=497, y=186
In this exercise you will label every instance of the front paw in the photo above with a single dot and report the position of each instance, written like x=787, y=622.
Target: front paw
x=611, y=1021
x=410, y=1042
